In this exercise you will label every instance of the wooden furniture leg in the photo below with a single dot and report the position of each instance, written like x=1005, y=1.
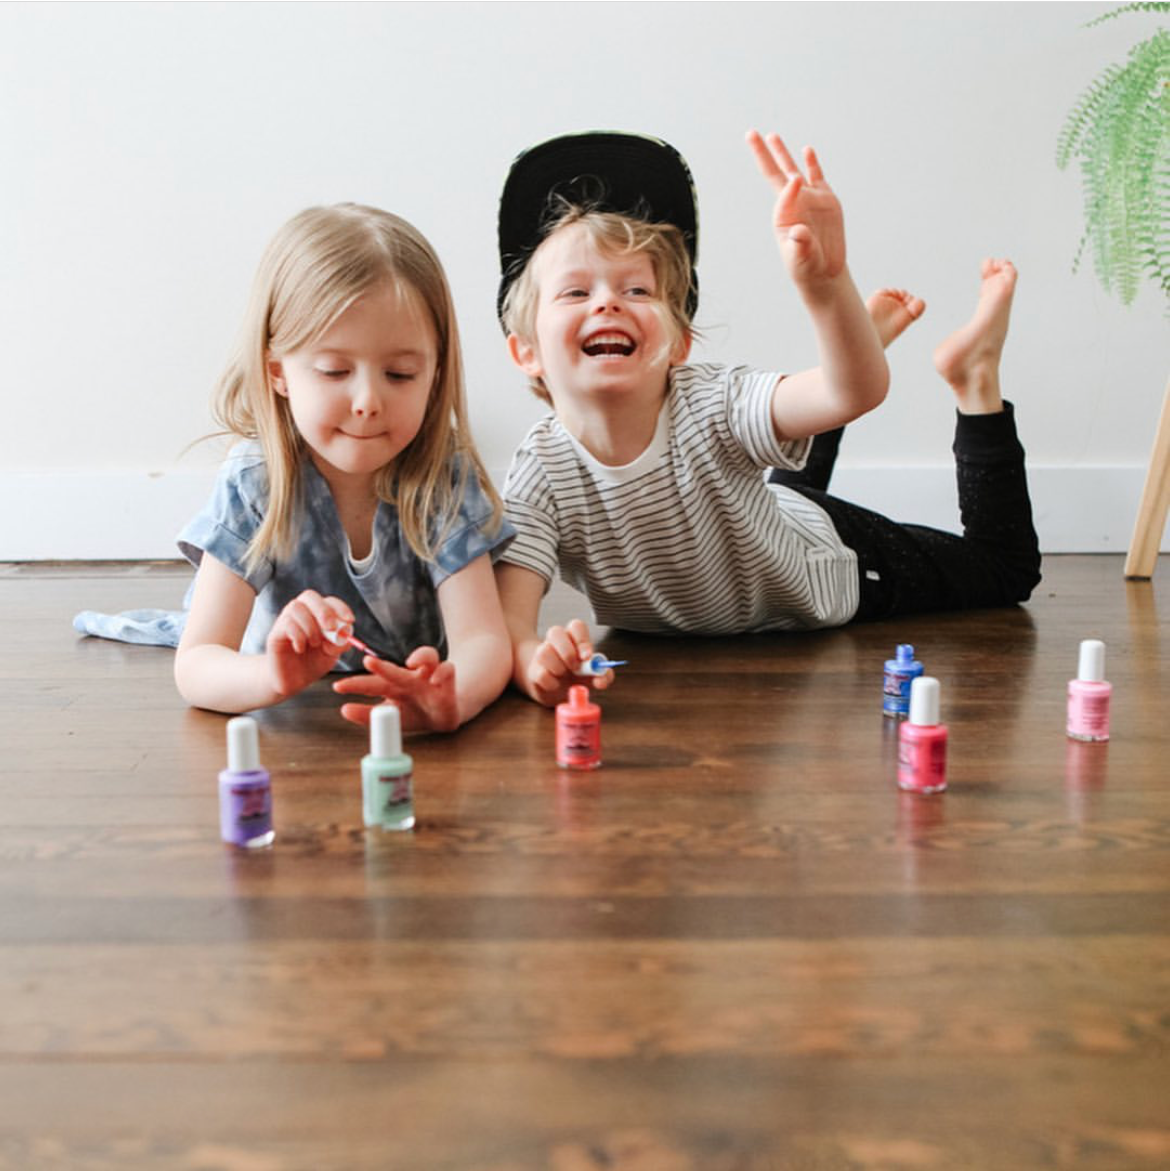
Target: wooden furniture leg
x=1151, y=518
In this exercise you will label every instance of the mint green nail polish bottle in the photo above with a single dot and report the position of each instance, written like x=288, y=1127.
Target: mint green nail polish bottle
x=387, y=774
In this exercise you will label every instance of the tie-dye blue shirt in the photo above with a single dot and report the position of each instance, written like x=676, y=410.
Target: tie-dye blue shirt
x=393, y=597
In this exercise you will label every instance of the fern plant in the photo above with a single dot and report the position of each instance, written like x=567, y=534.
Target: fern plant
x=1119, y=129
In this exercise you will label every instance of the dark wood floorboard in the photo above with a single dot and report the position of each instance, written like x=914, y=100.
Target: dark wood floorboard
x=736, y=945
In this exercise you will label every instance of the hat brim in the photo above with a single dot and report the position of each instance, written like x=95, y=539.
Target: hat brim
x=631, y=174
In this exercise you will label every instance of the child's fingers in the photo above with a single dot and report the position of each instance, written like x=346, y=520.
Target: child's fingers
x=423, y=657
x=813, y=166
x=579, y=633
x=764, y=160
x=780, y=154
x=546, y=688
x=336, y=620
x=357, y=713
x=309, y=618
x=561, y=648
x=295, y=627
x=330, y=615
x=391, y=672
x=384, y=679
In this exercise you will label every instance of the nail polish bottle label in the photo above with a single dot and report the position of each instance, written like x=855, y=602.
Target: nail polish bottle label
x=1088, y=710
x=579, y=744
x=900, y=674
x=388, y=800
x=922, y=764
x=245, y=808
x=896, y=693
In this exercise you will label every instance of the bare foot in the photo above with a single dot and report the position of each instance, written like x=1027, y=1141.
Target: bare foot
x=892, y=311
x=969, y=358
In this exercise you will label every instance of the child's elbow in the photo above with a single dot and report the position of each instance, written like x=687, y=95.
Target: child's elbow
x=182, y=679
x=875, y=389
x=191, y=681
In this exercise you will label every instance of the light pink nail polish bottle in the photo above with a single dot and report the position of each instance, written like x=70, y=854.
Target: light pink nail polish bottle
x=1089, y=695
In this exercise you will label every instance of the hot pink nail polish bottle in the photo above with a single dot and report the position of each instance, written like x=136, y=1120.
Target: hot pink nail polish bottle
x=922, y=741
x=1089, y=695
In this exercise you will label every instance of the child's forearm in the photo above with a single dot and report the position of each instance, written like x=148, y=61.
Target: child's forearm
x=853, y=376
x=853, y=362
x=222, y=680
x=482, y=667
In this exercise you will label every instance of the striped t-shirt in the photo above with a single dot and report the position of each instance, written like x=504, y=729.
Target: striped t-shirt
x=689, y=536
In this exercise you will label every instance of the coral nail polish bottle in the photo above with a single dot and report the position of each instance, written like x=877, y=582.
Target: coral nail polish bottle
x=900, y=673
x=1089, y=695
x=922, y=741
x=578, y=731
x=387, y=773
x=245, y=789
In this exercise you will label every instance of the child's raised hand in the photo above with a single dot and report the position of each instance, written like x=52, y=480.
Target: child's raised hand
x=552, y=670
x=807, y=218
x=424, y=690
x=299, y=648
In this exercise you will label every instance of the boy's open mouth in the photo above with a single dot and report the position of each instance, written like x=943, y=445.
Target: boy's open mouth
x=608, y=342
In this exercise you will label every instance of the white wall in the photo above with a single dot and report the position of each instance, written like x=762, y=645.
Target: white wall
x=150, y=151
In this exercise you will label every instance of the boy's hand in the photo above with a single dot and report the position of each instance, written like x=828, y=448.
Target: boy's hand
x=298, y=648
x=552, y=670
x=807, y=218
x=424, y=690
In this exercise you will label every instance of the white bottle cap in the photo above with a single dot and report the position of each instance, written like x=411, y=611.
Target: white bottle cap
x=385, y=731
x=243, y=745
x=1092, y=661
x=924, y=700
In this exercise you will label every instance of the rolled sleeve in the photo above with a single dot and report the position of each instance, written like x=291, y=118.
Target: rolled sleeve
x=474, y=534
x=749, y=412
x=230, y=520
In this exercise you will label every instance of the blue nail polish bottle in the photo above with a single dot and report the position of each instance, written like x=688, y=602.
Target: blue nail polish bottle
x=901, y=672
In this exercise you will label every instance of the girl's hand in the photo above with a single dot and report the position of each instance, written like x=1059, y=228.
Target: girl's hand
x=299, y=650
x=424, y=691
x=552, y=670
x=807, y=218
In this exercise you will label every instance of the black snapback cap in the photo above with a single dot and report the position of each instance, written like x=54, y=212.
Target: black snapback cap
x=631, y=174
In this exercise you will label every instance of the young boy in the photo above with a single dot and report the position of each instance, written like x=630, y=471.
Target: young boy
x=645, y=488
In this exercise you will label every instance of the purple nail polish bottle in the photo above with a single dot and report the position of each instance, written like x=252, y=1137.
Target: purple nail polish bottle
x=245, y=792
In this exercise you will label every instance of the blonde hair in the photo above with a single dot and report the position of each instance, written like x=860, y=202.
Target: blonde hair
x=314, y=269
x=618, y=235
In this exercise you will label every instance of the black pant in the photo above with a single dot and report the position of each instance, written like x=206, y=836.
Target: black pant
x=909, y=569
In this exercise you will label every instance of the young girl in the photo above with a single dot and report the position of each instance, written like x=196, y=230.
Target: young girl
x=357, y=504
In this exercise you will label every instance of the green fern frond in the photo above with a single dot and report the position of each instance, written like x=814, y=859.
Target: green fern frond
x=1119, y=131
x=1138, y=6
x=1085, y=114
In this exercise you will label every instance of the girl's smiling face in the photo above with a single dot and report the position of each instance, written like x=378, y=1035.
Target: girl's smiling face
x=358, y=394
x=599, y=326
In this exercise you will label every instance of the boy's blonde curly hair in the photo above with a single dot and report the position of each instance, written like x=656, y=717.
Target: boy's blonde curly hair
x=616, y=235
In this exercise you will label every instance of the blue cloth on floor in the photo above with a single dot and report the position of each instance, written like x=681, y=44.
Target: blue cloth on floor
x=160, y=628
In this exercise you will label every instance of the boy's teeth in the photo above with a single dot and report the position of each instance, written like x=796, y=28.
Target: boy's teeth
x=609, y=344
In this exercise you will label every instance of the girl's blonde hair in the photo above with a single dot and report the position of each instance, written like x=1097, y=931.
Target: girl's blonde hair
x=314, y=269
x=619, y=235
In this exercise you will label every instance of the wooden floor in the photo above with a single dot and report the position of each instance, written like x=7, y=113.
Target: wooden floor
x=736, y=945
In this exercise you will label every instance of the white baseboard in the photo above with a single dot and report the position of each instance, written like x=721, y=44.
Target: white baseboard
x=49, y=516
